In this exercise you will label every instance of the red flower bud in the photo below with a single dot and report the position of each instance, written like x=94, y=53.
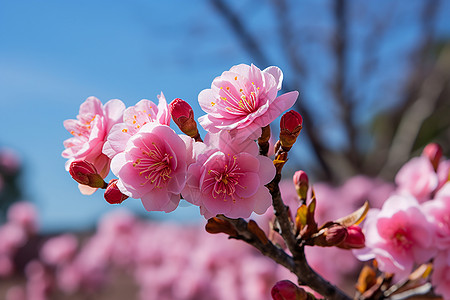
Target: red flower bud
x=355, y=238
x=330, y=236
x=85, y=173
x=335, y=235
x=183, y=115
x=301, y=182
x=434, y=153
x=290, y=127
x=112, y=194
x=287, y=290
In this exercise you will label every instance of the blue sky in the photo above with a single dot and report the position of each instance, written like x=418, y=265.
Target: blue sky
x=54, y=54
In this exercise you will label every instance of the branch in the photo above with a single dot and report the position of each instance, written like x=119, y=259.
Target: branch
x=305, y=275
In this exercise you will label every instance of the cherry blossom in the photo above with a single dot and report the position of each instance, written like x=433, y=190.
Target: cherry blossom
x=152, y=167
x=244, y=99
x=418, y=178
x=90, y=131
x=440, y=277
x=228, y=178
x=438, y=212
x=398, y=236
x=134, y=117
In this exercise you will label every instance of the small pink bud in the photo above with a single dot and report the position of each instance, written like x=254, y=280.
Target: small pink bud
x=301, y=182
x=112, y=194
x=434, y=153
x=355, y=238
x=335, y=235
x=183, y=115
x=330, y=236
x=85, y=173
x=290, y=127
x=287, y=290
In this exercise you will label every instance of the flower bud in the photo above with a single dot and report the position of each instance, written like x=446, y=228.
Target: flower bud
x=355, y=238
x=290, y=127
x=112, y=194
x=301, y=182
x=85, y=173
x=183, y=115
x=330, y=236
x=434, y=153
x=287, y=290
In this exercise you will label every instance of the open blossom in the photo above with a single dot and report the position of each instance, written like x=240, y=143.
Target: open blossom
x=438, y=212
x=229, y=177
x=89, y=131
x=440, y=278
x=152, y=167
x=243, y=100
x=134, y=117
x=417, y=178
x=398, y=236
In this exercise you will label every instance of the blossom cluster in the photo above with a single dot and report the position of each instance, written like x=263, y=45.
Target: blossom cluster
x=412, y=227
x=185, y=263
x=224, y=174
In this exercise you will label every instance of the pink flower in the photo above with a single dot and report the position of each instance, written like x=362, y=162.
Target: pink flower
x=89, y=131
x=59, y=250
x=244, y=99
x=440, y=278
x=24, y=214
x=418, y=178
x=438, y=211
x=152, y=167
x=398, y=236
x=145, y=111
x=229, y=177
x=443, y=173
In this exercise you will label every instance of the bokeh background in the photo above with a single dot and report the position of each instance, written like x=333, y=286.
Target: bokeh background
x=373, y=78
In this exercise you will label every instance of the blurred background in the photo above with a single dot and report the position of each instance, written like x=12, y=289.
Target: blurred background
x=373, y=79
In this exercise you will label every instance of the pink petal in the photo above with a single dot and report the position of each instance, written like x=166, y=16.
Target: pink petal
x=278, y=106
x=156, y=200
x=248, y=185
x=263, y=200
x=266, y=169
x=277, y=75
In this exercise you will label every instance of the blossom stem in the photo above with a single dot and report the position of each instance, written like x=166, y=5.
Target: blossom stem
x=263, y=140
x=305, y=274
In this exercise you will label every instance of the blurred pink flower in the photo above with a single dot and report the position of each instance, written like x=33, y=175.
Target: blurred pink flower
x=12, y=237
x=10, y=162
x=440, y=278
x=229, y=177
x=16, y=293
x=443, y=173
x=152, y=167
x=90, y=131
x=398, y=236
x=59, y=250
x=134, y=117
x=438, y=212
x=418, y=178
x=24, y=214
x=244, y=99
x=6, y=265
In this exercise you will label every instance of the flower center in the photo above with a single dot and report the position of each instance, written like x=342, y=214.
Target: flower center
x=223, y=182
x=83, y=126
x=154, y=166
x=401, y=240
x=240, y=103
